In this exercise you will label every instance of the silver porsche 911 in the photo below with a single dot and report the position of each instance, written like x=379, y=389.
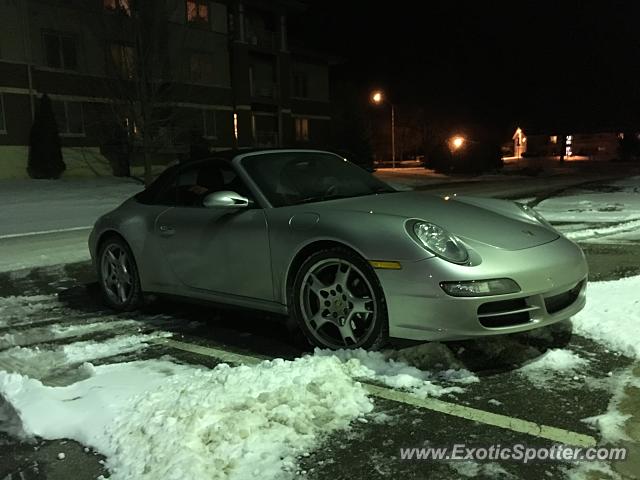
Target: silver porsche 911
x=308, y=234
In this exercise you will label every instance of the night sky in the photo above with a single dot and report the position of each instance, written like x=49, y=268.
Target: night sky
x=502, y=64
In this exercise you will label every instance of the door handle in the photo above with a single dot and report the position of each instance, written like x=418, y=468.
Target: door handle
x=167, y=230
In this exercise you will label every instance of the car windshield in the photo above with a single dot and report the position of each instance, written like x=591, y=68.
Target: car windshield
x=291, y=178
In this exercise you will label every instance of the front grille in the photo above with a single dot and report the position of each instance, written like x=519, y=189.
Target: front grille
x=563, y=300
x=504, y=313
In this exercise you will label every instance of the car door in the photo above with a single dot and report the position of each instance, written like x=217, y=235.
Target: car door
x=217, y=249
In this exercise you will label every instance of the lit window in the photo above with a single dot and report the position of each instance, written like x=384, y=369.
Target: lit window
x=209, y=123
x=201, y=68
x=569, y=139
x=198, y=11
x=302, y=129
x=123, y=60
x=3, y=122
x=122, y=6
x=69, y=117
x=60, y=51
x=553, y=139
x=235, y=125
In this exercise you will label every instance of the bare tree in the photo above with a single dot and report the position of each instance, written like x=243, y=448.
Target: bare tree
x=139, y=82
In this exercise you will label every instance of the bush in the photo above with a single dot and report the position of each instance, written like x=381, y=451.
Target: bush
x=474, y=157
x=45, y=154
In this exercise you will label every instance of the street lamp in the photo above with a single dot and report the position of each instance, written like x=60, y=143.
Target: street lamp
x=456, y=142
x=377, y=97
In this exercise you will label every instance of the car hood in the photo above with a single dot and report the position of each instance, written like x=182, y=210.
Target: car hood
x=493, y=222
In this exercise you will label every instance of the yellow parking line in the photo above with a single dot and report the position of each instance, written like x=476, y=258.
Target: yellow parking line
x=559, y=435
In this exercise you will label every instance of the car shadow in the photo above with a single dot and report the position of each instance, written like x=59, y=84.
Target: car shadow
x=251, y=331
x=269, y=335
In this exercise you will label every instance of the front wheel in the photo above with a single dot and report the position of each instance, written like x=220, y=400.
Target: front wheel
x=338, y=302
x=118, y=275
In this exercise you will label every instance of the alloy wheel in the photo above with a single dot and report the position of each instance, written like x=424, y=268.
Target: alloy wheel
x=338, y=303
x=117, y=276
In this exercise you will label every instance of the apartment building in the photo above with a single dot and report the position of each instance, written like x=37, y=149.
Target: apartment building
x=221, y=70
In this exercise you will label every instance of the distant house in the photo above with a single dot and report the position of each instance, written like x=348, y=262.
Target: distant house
x=597, y=145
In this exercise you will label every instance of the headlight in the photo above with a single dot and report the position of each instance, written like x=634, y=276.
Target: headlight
x=440, y=242
x=531, y=213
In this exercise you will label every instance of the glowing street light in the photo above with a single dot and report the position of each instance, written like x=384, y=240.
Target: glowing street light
x=377, y=97
x=457, y=142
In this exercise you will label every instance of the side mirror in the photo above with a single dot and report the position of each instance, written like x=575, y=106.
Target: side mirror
x=225, y=199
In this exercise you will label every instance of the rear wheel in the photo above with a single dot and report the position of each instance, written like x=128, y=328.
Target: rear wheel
x=118, y=275
x=338, y=302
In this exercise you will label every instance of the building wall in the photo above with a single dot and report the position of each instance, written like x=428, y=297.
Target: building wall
x=193, y=103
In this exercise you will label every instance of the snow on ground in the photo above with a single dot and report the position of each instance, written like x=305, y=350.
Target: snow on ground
x=612, y=315
x=612, y=212
x=553, y=364
x=42, y=205
x=401, y=369
x=43, y=362
x=14, y=309
x=469, y=469
x=44, y=250
x=611, y=424
x=64, y=208
x=231, y=422
x=49, y=333
x=591, y=471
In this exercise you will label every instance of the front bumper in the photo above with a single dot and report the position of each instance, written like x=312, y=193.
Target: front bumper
x=552, y=278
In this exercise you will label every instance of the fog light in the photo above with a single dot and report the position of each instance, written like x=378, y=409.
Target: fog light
x=480, y=288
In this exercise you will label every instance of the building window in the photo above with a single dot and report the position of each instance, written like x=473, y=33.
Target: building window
x=198, y=11
x=300, y=85
x=122, y=59
x=209, y=124
x=302, y=129
x=69, y=117
x=60, y=51
x=235, y=126
x=3, y=120
x=553, y=139
x=121, y=6
x=201, y=68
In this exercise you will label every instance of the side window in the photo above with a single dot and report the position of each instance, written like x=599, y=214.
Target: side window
x=193, y=184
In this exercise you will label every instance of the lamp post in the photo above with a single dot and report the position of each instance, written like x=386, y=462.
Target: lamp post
x=377, y=97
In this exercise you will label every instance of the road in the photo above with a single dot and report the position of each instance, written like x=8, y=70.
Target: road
x=370, y=450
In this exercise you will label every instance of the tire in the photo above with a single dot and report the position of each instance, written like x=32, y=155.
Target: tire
x=118, y=275
x=338, y=302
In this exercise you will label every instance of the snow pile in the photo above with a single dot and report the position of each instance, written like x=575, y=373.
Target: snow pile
x=553, y=363
x=155, y=419
x=612, y=315
x=404, y=371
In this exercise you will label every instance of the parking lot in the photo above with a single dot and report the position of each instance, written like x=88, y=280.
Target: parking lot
x=523, y=389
